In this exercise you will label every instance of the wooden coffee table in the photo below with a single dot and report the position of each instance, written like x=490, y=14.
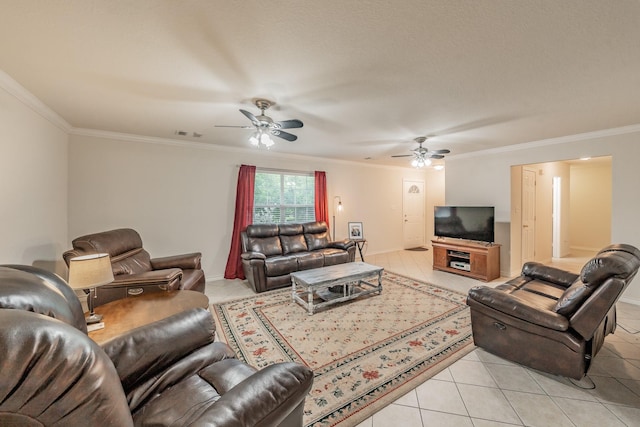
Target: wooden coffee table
x=132, y=312
x=311, y=287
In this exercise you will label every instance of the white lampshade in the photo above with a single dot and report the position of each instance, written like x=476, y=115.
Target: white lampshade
x=90, y=271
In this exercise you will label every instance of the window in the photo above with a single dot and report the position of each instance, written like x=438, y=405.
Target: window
x=283, y=197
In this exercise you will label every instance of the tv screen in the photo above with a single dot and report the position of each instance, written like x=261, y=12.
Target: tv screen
x=465, y=222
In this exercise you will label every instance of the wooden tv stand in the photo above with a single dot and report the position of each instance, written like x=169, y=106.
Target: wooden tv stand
x=477, y=260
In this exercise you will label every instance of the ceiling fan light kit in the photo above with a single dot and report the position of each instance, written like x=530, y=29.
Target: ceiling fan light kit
x=265, y=126
x=421, y=156
x=260, y=137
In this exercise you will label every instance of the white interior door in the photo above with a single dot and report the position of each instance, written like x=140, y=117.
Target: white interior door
x=413, y=213
x=528, y=214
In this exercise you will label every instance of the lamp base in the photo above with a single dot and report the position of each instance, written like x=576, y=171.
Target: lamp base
x=93, y=318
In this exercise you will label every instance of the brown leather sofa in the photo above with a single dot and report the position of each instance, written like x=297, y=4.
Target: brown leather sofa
x=168, y=373
x=134, y=271
x=270, y=252
x=550, y=319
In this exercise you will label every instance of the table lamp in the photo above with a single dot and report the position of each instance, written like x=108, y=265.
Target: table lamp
x=90, y=272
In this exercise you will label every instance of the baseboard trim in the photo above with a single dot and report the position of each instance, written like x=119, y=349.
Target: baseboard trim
x=633, y=301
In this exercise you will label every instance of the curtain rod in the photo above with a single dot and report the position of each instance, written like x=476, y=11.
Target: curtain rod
x=283, y=170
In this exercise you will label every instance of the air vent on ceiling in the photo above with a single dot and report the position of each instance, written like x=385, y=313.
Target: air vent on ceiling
x=185, y=133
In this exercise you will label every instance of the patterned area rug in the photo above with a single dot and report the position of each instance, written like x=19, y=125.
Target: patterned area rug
x=365, y=353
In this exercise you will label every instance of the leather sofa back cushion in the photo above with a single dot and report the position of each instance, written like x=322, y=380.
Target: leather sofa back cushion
x=19, y=293
x=290, y=229
x=573, y=298
x=114, y=242
x=317, y=241
x=605, y=265
x=135, y=262
x=293, y=244
x=269, y=246
x=594, y=273
x=548, y=274
x=262, y=230
x=315, y=227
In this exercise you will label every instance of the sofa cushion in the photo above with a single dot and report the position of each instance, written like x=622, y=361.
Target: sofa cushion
x=262, y=230
x=334, y=256
x=269, y=246
x=133, y=262
x=290, y=229
x=317, y=241
x=114, y=242
x=280, y=265
x=607, y=264
x=573, y=298
x=309, y=260
x=293, y=244
x=593, y=274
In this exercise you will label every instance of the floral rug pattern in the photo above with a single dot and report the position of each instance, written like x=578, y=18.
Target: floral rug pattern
x=365, y=353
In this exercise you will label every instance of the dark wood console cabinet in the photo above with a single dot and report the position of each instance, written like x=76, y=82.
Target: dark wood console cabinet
x=476, y=260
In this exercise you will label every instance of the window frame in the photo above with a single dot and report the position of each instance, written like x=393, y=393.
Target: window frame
x=283, y=207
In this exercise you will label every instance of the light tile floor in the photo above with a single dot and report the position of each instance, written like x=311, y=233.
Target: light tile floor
x=483, y=390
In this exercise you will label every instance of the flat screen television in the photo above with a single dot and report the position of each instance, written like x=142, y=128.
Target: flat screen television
x=465, y=222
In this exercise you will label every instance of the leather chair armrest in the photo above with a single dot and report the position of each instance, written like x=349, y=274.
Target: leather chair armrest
x=190, y=261
x=586, y=319
x=253, y=255
x=513, y=306
x=540, y=271
x=264, y=399
x=146, y=351
x=159, y=277
x=342, y=244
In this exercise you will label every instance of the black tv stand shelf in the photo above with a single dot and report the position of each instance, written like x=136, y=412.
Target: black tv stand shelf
x=471, y=259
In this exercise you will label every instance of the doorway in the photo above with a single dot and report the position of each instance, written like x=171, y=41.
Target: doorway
x=413, y=213
x=567, y=220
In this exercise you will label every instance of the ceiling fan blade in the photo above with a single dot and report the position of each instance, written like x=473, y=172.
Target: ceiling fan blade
x=403, y=155
x=225, y=126
x=284, y=135
x=289, y=124
x=440, y=151
x=435, y=156
x=251, y=117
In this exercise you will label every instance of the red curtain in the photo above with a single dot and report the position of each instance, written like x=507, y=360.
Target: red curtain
x=243, y=217
x=322, y=201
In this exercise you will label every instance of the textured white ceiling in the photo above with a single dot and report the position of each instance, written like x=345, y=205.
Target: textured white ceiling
x=365, y=77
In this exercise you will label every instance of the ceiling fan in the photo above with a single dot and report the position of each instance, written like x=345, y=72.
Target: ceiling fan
x=266, y=126
x=421, y=156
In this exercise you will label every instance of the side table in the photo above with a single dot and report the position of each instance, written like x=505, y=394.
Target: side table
x=360, y=244
x=132, y=312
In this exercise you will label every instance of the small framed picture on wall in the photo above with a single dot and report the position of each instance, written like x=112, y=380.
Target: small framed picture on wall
x=355, y=231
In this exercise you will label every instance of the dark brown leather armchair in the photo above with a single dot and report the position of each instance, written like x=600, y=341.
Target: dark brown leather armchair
x=134, y=271
x=550, y=319
x=168, y=373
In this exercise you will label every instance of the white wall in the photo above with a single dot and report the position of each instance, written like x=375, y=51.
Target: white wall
x=181, y=197
x=485, y=178
x=33, y=185
x=590, y=181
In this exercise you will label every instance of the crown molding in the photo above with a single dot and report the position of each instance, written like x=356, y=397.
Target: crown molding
x=552, y=141
x=14, y=88
x=125, y=137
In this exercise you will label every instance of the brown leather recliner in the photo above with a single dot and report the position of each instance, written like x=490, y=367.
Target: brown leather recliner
x=550, y=319
x=134, y=271
x=168, y=373
x=270, y=252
